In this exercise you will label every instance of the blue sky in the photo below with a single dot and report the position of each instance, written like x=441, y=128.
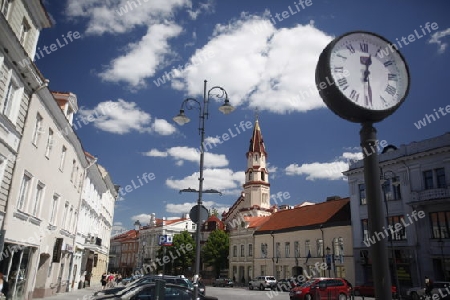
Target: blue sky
x=131, y=66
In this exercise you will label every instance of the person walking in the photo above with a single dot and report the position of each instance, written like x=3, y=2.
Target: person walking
x=4, y=287
x=103, y=280
x=428, y=288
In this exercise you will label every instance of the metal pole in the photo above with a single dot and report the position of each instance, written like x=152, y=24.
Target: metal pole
x=380, y=266
x=204, y=113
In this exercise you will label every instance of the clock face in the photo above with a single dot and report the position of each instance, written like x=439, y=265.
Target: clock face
x=368, y=71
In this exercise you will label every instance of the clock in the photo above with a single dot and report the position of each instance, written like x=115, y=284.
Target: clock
x=362, y=77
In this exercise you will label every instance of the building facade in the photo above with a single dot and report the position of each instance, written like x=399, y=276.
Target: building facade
x=415, y=190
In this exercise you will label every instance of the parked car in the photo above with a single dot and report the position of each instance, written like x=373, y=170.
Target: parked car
x=368, y=290
x=286, y=284
x=322, y=288
x=439, y=288
x=263, y=282
x=171, y=291
x=223, y=282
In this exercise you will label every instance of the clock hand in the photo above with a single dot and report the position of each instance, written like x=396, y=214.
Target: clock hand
x=367, y=61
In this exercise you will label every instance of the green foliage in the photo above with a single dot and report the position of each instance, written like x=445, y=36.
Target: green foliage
x=215, y=250
x=178, y=257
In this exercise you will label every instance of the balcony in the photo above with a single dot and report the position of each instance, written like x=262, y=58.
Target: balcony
x=434, y=194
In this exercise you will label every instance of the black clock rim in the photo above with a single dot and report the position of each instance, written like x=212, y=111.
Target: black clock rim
x=337, y=101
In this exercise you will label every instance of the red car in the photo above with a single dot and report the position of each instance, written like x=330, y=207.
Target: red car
x=322, y=288
x=368, y=290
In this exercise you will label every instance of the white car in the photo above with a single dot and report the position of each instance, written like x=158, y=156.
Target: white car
x=263, y=282
x=440, y=288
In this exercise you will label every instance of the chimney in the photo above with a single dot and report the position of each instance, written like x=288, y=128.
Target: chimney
x=153, y=220
x=164, y=221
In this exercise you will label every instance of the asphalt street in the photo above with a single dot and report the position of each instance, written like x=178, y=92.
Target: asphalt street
x=220, y=293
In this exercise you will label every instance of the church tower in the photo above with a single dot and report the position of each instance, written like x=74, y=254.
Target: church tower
x=256, y=186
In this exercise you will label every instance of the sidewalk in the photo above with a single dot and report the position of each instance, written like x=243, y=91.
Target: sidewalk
x=77, y=294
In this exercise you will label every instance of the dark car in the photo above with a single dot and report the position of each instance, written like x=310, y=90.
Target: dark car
x=119, y=291
x=368, y=290
x=286, y=284
x=171, y=292
x=223, y=282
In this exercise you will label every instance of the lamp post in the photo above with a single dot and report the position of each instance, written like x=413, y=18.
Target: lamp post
x=182, y=119
x=323, y=245
x=329, y=258
x=143, y=251
x=386, y=177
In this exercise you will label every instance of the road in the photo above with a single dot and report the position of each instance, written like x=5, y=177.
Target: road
x=245, y=293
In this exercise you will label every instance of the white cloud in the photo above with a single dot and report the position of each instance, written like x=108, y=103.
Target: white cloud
x=437, y=37
x=144, y=219
x=143, y=58
x=207, y=7
x=328, y=171
x=222, y=180
x=190, y=154
x=122, y=117
x=187, y=206
x=120, y=16
x=275, y=71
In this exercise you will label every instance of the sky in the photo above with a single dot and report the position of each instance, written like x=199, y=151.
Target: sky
x=132, y=63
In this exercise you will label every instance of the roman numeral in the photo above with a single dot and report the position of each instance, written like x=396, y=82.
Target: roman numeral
x=390, y=90
x=342, y=82
x=338, y=69
x=378, y=51
x=340, y=55
x=350, y=48
x=392, y=77
x=354, y=95
x=364, y=47
x=388, y=63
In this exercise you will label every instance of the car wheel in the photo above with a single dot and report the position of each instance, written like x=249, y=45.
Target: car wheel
x=342, y=297
x=308, y=297
x=261, y=287
x=250, y=287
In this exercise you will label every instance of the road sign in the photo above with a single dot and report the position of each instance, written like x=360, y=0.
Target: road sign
x=165, y=240
x=193, y=214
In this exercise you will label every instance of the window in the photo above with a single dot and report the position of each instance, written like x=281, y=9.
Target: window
x=440, y=178
x=49, y=143
x=37, y=199
x=66, y=212
x=37, y=130
x=362, y=194
x=428, y=179
x=3, y=163
x=287, y=249
x=365, y=230
x=440, y=224
x=6, y=4
x=250, y=175
x=234, y=251
x=23, y=192
x=296, y=249
x=9, y=98
x=54, y=209
x=319, y=248
x=24, y=29
x=72, y=174
x=263, y=178
x=396, y=191
x=307, y=248
x=264, y=250
x=277, y=249
x=63, y=156
x=250, y=249
x=396, y=235
x=242, y=250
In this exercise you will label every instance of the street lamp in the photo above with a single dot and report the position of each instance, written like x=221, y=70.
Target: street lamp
x=323, y=245
x=386, y=178
x=143, y=251
x=182, y=119
x=329, y=258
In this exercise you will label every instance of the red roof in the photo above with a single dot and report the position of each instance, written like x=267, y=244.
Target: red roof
x=129, y=235
x=255, y=222
x=332, y=211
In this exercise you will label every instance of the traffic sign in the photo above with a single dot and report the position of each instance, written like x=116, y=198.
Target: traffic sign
x=165, y=240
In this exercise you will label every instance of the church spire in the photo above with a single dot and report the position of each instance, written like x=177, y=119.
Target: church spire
x=257, y=142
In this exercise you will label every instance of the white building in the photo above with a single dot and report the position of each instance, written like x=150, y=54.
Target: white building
x=417, y=196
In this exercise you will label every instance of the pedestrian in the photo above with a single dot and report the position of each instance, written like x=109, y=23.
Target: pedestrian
x=103, y=280
x=428, y=287
x=4, y=287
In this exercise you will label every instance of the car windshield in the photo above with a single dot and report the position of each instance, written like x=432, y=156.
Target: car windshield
x=308, y=283
x=271, y=278
x=133, y=285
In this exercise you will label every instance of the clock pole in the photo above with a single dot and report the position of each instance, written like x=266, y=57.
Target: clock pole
x=379, y=253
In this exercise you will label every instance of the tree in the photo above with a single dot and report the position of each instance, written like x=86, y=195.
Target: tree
x=213, y=212
x=179, y=257
x=215, y=250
